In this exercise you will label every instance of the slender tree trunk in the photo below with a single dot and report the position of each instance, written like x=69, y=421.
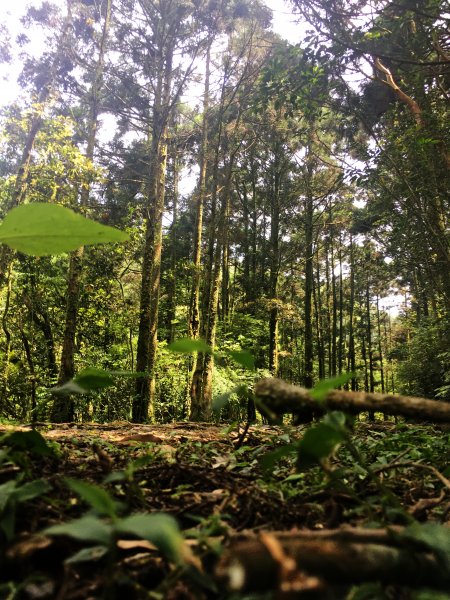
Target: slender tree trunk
x=380, y=346
x=143, y=402
x=194, y=311
x=254, y=237
x=328, y=308
x=62, y=409
x=226, y=263
x=172, y=288
x=309, y=282
x=7, y=348
x=274, y=268
x=341, y=310
x=334, y=314
x=319, y=319
x=32, y=374
x=369, y=345
x=247, y=261
x=351, y=365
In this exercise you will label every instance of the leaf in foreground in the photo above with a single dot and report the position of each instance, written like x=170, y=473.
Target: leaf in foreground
x=433, y=535
x=187, y=345
x=160, y=529
x=91, y=379
x=320, y=390
x=31, y=441
x=85, y=529
x=243, y=358
x=40, y=229
x=319, y=443
x=95, y=496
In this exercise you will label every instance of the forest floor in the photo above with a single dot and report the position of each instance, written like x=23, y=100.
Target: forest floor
x=217, y=484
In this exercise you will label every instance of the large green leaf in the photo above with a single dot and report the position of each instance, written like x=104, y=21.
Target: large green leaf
x=160, y=529
x=187, y=345
x=95, y=496
x=91, y=379
x=243, y=358
x=435, y=536
x=321, y=441
x=40, y=229
x=7, y=490
x=31, y=490
x=31, y=441
x=320, y=390
x=86, y=529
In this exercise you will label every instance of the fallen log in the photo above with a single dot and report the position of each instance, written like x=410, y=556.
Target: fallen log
x=317, y=559
x=278, y=397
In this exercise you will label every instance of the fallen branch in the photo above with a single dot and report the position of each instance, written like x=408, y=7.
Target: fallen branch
x=336, y=557
x=279, y=397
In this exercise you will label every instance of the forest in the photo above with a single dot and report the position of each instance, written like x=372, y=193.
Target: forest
x=206, y=228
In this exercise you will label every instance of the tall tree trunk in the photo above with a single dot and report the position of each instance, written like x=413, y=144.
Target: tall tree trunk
x=194, y=309
x=309, y=282
x=340, y=357
x=369, y=344
x=226, y=263
x=62, y=409
x=32, y=374
x=274, y=199
x=351, y=365
x=334, y=312
x=328, y=305
x=317, y=292
x=172, y=287
x=143, y=402
x=4, y=386
x=380, y=346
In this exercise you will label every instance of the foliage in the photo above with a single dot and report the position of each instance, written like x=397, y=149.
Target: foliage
x=43, y=229
x=161, y=530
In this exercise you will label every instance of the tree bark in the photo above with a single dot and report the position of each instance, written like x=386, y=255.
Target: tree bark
x=62, y=410
x=142, y=406
x=194, y=310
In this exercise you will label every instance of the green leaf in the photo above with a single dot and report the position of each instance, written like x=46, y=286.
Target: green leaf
x=243, y=358
x=31, y=490
x=95, y=496
x=320, y=390
x=160, y=529
x=86, y=529
x=91, y=554
x=436, y=537
x=187, y=345
x=70, y=387
x=6, y=493
x=219, y=402
x=92, y=378
x=40, y=229
x=30, y=441
x=269, y=460
x=318, y=444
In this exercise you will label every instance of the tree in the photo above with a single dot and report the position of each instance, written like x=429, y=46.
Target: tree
x=63, y=407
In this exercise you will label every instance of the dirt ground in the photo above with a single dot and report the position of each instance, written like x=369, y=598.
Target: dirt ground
x=190, y=471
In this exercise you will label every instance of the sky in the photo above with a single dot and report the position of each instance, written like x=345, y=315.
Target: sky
x=12, y=10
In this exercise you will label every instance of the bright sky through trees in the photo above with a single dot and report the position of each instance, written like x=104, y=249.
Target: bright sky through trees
x=11, y=13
